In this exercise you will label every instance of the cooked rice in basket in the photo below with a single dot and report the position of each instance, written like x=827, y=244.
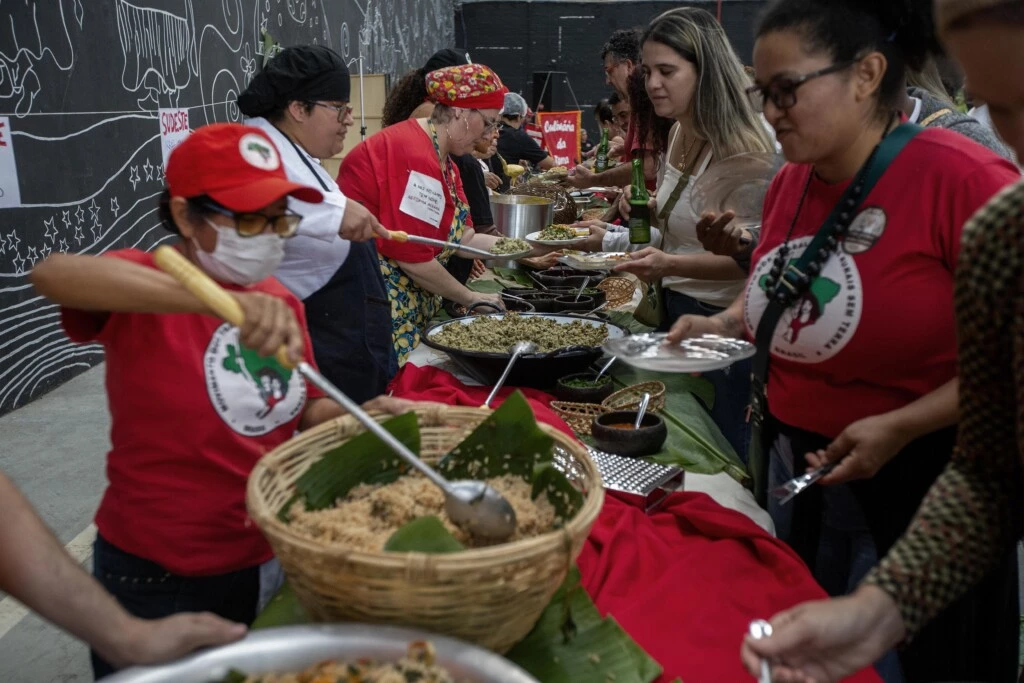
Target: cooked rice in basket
x=368, y=516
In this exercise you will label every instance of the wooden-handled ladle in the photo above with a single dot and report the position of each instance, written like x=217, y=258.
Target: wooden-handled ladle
x=473, y=505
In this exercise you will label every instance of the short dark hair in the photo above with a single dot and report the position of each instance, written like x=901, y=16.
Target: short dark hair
x=624, y=45
x=603, y=112
x=614, y=98
x=198, y=207
x=902, y=30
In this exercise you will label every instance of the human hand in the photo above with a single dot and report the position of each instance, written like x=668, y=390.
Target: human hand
x=861, y=449
x=648, y=264
x=269, y=324
x=689, y=326
x=581, y=178
x=623, y=202
x=478, y=269
x=719, y=236
x=595, y=240
x=827, y=640
x=491, y=300
x=544, y=261
x=359, y=225
x=492, y=181
x=153, y=641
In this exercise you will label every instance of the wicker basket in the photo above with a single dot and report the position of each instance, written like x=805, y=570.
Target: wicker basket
x=579, y=416
x=619, y=290
x=489, y=596
x=629, y=398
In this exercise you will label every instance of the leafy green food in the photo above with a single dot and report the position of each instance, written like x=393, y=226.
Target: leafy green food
x=580, y=383
x=509, y=245
x=284, y=609
x=423, y=535
x=234, y=676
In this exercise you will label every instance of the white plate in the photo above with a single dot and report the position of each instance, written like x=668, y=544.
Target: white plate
x=736, y=184
x=701, y=354
x=602, y=260
x=507, y=257
x=532, y=239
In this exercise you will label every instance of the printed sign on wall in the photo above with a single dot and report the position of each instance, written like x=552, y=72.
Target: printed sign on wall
x=173, y=129
x=561, y=131
x=10, y=193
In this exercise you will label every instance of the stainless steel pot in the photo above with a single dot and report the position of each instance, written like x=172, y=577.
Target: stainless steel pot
x=519, y=215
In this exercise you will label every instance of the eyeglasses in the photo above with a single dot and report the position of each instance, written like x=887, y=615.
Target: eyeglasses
x=344, y=111
x=252, y=224
x=490, y=125
x=782, y=90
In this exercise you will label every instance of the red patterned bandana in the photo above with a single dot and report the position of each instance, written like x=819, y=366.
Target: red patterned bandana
x=473, y=86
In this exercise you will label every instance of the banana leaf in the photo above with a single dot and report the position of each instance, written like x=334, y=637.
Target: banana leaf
x=423, y=535
x=517, y=278
x=573, y=642
x=363, y=459
x=284, y=609
x=485, y=286
x=694, y=441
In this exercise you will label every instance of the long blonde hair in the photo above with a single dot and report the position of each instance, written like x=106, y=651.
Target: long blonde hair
x=722, y=112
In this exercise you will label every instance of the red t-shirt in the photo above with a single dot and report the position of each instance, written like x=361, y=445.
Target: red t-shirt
x=192, y=411
x=877, y=330
x=397, y=176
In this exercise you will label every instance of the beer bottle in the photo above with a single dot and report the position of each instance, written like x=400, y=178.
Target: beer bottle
x=639, y=212
x=601, y=157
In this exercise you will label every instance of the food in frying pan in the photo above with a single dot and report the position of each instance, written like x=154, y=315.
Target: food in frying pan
x=496, y=335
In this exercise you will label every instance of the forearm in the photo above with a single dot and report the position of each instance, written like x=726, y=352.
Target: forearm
x=931, y=412
x=319, y=410
x=36, y=570
x=91, y=283
x=705, y=267
x=620, y=176
x=730, y=320
x=432, y=276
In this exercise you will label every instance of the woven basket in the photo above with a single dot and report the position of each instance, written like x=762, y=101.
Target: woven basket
x=578, y=416
x=629, y=398
x=489, y=596
x=619, y=290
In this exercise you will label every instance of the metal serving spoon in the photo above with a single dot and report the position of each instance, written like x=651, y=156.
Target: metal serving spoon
x=759, y=628
x=605, y=368
x=473, y=505
x=644, y=402
x=586, y=281
x=517, y=349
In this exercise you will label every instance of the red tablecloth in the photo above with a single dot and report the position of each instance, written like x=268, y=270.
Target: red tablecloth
x=684, y=582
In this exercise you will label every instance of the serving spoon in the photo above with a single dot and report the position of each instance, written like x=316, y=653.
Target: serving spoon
x=472, y=505
x=644, y=402
x=759, y=628
x=517, y=349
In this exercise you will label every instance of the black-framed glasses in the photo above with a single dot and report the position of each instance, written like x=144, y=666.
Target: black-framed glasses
x=490, y=125
x=782, y=89
x=344, y=111
x=252, y=224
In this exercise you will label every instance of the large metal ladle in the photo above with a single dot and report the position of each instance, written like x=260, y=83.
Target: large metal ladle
x=517, y=349
x=473, y=505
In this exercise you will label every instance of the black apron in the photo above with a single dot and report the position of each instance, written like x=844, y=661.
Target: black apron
x=349, y=320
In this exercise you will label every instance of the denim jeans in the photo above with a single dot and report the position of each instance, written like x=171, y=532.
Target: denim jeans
x=148, y=591
x=732, y=385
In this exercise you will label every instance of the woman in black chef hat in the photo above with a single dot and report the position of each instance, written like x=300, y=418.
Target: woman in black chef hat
x=301, y=101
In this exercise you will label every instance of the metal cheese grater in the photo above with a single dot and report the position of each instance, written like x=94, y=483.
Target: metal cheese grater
x=640, y=482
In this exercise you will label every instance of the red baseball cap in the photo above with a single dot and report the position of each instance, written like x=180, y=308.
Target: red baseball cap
x=237, y=166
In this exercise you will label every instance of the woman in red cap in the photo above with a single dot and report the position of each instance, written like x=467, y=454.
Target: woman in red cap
x=404, y=176
x=194, y=402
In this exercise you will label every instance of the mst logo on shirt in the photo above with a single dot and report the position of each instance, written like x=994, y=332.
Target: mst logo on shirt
x=823, y=320
x=252, y=394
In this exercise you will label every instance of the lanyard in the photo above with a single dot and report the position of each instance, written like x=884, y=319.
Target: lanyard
x=303, y=156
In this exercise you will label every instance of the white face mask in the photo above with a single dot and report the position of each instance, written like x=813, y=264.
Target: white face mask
x=241, y=260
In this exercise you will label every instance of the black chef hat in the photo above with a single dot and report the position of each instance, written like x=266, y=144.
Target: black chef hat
x=305, y=73
x=444, y=58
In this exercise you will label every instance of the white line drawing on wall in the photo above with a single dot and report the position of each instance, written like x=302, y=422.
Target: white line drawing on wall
x=159, y=52
x=26, y=40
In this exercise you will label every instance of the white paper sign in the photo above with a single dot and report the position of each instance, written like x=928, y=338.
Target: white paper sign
x=423, y=198
x=173, y=129
x=10, y=193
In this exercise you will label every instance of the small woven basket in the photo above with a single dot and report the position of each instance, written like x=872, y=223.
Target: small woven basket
x=618, y=290
x=629, y=398
x=490, y=596
x=578, y=416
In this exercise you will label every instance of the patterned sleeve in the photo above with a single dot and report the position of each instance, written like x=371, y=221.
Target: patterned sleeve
x=971, y=514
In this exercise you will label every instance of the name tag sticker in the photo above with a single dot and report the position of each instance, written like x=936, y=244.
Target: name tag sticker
x=423, y=199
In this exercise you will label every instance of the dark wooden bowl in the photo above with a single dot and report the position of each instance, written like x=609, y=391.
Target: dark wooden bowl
x=566, y=303
x=564, y=392
x=631, y=443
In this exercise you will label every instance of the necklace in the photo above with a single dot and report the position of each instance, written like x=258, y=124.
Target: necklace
x=444, y=161
x=687, y=150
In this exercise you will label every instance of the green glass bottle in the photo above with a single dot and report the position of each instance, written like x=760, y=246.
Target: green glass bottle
x=601, y=157
x=639, y=212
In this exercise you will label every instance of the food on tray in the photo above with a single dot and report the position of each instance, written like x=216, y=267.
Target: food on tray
x=509, y=245
x=514, y=170
x=557, y=232
x=497, y=334
x=419, y=664
x=582, y=383
x=371, y=513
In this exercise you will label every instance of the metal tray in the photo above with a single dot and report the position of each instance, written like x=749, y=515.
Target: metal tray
x=701, y=354
x=293, y=648
x=538, y=370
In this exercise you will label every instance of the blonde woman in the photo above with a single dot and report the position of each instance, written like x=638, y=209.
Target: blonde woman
x=693, y=76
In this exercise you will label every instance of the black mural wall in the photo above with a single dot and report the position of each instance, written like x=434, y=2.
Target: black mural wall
x=519, y=39
x=80, y=85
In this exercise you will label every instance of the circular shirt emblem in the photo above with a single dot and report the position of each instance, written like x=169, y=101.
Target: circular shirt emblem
x=823, y=320
x=259, y=152
x=252, y=394
x=865, y=230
